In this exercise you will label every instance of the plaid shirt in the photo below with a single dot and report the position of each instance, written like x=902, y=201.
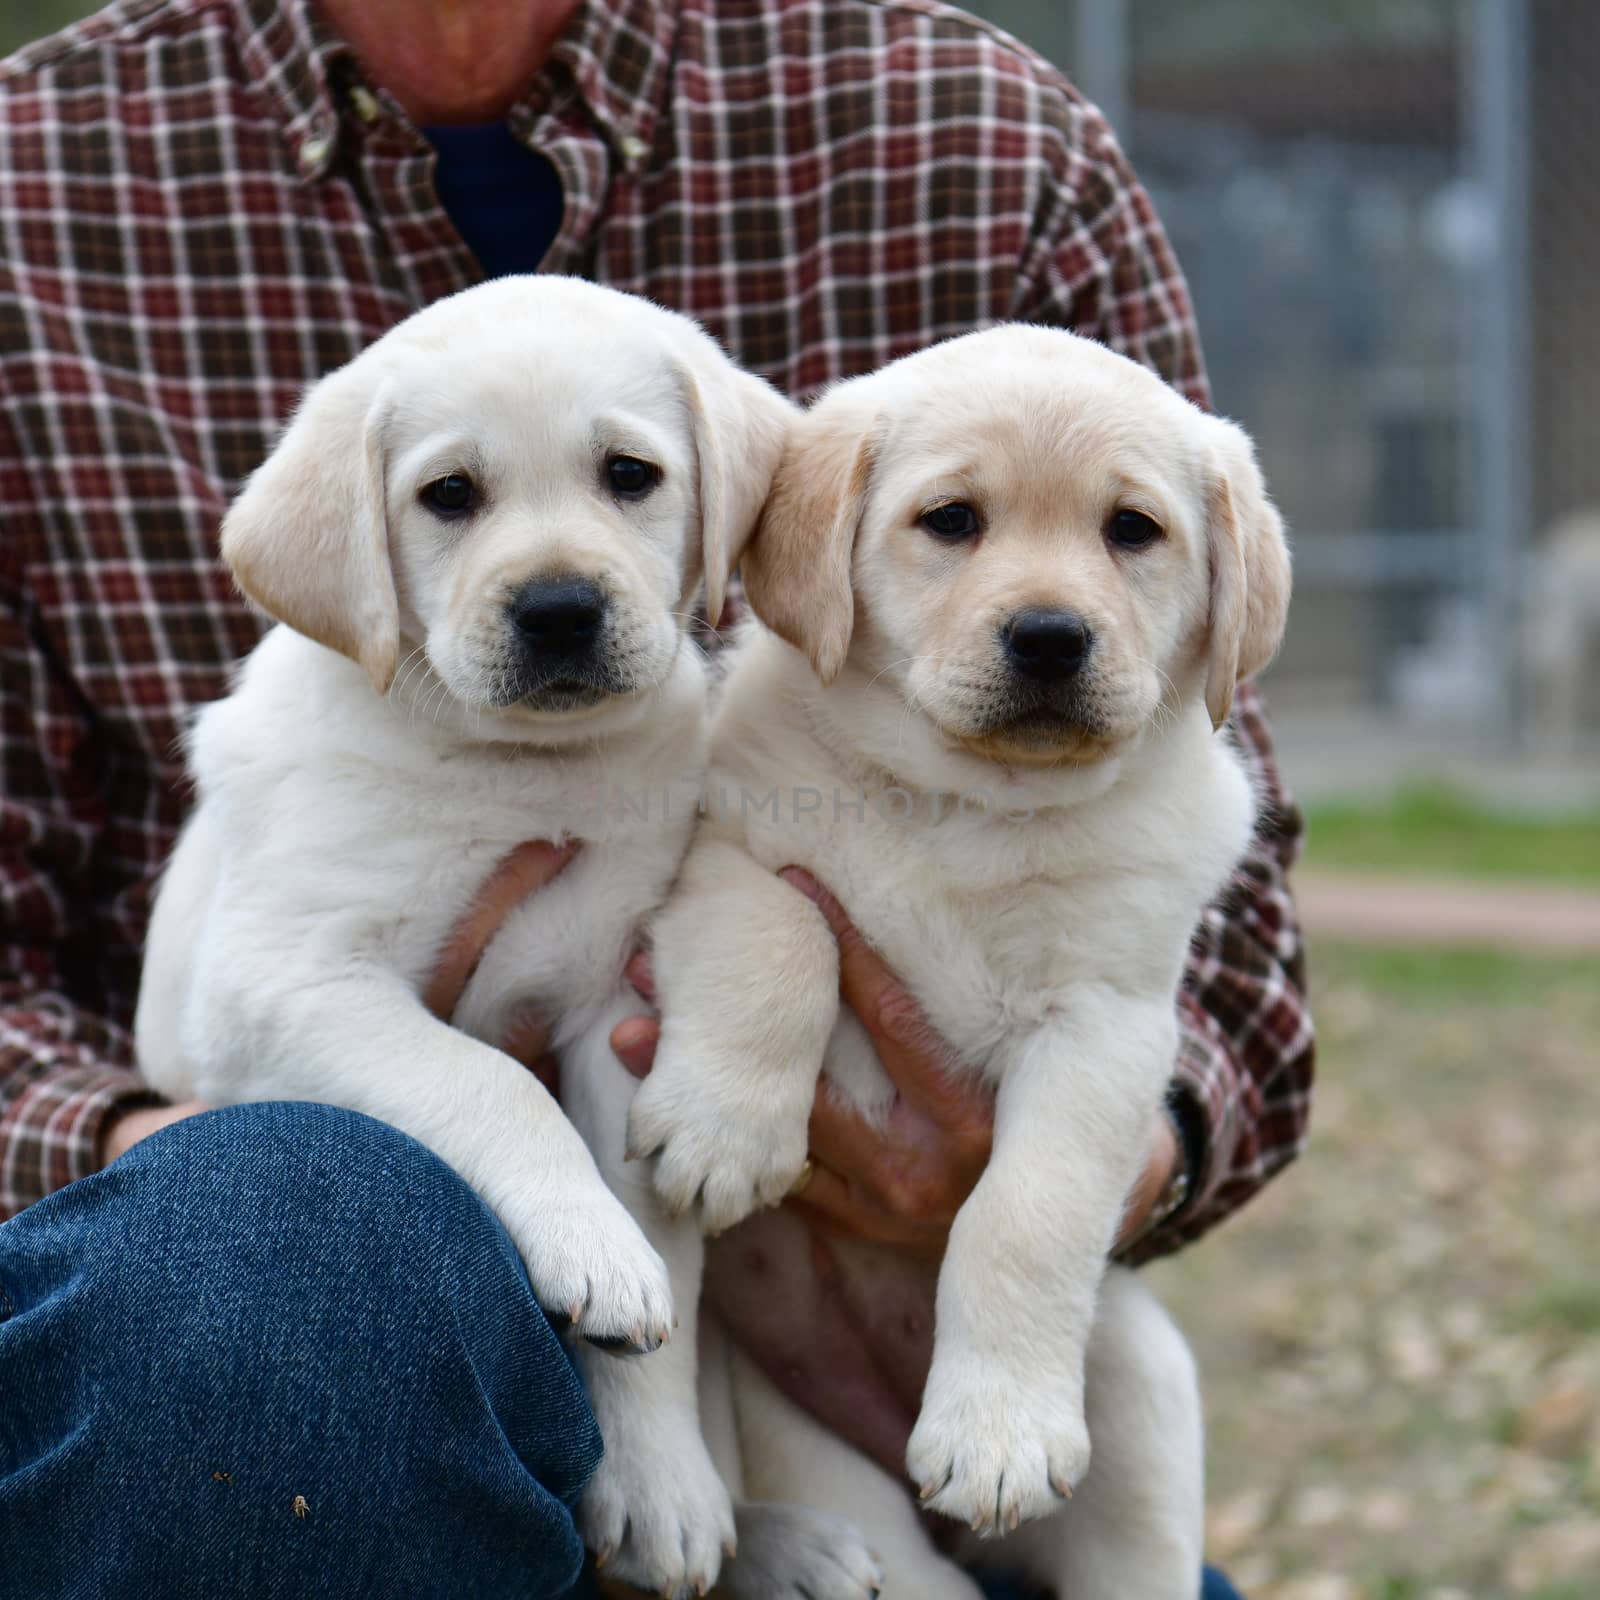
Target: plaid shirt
x=203, y=208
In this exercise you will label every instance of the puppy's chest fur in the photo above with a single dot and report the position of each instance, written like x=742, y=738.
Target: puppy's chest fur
x=358, y=834
x=996, y=920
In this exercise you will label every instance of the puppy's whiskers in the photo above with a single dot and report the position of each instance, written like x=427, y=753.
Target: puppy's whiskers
x=913, y=703
x=444, y=696
x=695, y=620
x=414, y=659
x=1165, y=714
x=907, y=661
x=405, y=668
x=426, y=699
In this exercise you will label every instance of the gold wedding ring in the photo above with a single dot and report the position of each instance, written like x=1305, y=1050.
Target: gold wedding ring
x=806, y=1173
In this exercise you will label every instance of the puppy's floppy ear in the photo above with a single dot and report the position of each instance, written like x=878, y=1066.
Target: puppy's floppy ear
x=307, y=538
x=797, y=570
x=1249, y=570
x=739, y=424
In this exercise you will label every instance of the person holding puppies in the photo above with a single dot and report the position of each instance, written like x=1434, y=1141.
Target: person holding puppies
x=206, y=208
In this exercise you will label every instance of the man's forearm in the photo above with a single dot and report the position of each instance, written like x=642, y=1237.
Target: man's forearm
x=64, y=1078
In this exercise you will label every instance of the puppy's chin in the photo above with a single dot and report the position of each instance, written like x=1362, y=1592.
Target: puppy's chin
x=559, y=700
x=1038, y=740
x=538, y=692
x=556, y=716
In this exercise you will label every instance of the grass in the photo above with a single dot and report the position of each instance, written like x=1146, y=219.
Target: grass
x=1569, y=1302
x=1424, y=975
x=1398, y=1336
x=1437, y=829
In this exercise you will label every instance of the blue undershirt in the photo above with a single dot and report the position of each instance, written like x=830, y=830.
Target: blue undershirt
x=504, y=199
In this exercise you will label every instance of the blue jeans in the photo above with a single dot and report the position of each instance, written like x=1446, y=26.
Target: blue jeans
x=281, y=1350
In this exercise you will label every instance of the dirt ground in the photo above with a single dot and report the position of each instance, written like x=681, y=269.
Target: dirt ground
x=1400, y=1339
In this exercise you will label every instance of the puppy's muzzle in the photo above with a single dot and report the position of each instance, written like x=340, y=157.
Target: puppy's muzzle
x=1044, y=710
x=1049, y=647
x=558, y=620
x=558, y=634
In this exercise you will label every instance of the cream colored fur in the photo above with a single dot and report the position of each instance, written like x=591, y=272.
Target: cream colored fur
x=340, y=832
x=1033, y=876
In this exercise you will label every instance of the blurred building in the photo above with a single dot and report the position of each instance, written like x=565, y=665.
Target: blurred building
x=1388, y=213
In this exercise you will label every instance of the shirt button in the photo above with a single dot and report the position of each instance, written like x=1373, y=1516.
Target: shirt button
x=363, y=102
x=633, y=147
x=313, y=152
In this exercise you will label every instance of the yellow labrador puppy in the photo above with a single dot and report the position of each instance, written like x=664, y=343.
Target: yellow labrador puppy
x=1010, y=583
x=483, y=538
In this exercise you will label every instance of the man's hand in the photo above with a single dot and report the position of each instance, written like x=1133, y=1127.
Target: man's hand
x=901, y=1185
x=1159, y=1166
x=854, y=1349
x=123, y=1129
x=521, y=872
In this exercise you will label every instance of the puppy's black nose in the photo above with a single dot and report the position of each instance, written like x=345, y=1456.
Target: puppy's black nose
x=559, y=617
x=1047, y=645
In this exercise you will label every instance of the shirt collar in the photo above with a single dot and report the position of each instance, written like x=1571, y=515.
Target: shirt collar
x=289, y=53
x=617, y=57
x=620, y=58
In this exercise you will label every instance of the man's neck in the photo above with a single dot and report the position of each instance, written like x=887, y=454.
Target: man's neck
x=451, y=61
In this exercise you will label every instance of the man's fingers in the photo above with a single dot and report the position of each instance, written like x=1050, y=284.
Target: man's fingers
x=122, y=1130
x=527, y=1040
x=519, y=873
x=869, y=988
x=641, y=973
x=918, y=1061
x=634, y=1042
x=827, y=1198
x=906, y=1181
x=1151, y=1184
x=840, y=1139
x=831, y=1203
x=634, y=1039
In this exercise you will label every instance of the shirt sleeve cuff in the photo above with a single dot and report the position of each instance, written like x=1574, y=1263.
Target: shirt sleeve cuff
x=1211, y=1101
x=52, y=1136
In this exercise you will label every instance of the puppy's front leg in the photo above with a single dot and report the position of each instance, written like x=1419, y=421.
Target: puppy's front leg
x=748, y=977
x=1001, y=1436
x=362, y=1039
x=656, y=1513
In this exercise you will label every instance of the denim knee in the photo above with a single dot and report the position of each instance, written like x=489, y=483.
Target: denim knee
x=281, y=1349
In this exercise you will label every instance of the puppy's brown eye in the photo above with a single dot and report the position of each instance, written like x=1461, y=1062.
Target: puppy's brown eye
x=953, y=521
x=630, y=477
x=453, y=495
x=1133, y=530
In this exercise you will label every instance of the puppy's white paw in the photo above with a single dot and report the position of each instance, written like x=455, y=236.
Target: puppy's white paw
x=734, y=1144
x=993, y=1454
x=794, y=1553
x=593, y=1269
x=657, y=1516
